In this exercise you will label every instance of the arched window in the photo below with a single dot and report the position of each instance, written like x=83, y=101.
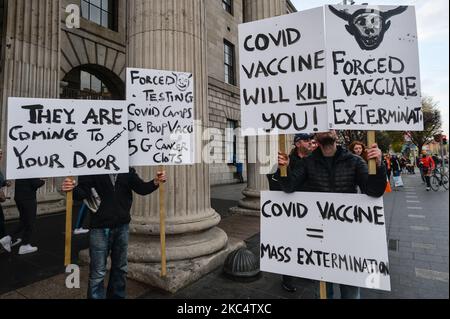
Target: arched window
x=92, y=83
x=102, y=12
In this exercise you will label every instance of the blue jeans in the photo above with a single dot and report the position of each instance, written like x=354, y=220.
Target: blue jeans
x=102, y=243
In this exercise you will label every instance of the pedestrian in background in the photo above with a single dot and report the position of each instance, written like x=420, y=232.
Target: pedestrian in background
x=26, y=202
x=5, y=241
x=358, y=148
x=428, y=166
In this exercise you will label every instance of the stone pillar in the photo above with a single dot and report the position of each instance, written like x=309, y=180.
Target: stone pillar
x=31, y=63
x=171, y=35
x=250, y=204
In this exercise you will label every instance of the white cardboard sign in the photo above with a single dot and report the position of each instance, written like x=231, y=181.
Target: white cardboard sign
x=55, y=138
x=338, y=238
x=373, y=74
x=283, y=74
x=161, y=117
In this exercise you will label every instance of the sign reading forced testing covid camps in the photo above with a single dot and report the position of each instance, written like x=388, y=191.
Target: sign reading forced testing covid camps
x=161, y=117
x=55, y=138
x=338, y=238
x=373, y=75
x=283, y=74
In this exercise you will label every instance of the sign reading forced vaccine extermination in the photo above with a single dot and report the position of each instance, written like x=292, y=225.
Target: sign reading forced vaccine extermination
x=339, y=238
x=283, y=74
x=373, y=68
x=161, y=117
x=55, y=138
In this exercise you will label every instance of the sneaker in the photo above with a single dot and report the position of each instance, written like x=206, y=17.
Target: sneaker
x=6, y=243
x=80, y=231
x=27, y=249
x=288, y=287
x=428, y=189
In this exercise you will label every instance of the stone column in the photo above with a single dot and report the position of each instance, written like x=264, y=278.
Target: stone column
x=171, y=35
x=250, y=204
x=31, y=64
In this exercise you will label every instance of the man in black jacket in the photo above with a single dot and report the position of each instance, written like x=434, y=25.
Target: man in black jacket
x=110, y=225
x=333, y=169
x=303, y=148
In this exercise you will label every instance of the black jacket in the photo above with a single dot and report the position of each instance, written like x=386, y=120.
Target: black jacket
x=25, y=189
x=347, y=172
x=116, y=201
x=294, y=162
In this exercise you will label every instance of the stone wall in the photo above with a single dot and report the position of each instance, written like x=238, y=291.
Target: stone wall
x=223, y=99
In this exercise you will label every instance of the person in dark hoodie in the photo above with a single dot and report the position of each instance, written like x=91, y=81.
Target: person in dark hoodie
x=110, y=225
x=333, y=169
x=26, y=202
x=303, y=148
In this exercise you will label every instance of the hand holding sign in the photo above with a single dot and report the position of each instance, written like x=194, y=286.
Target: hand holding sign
x=160, y=178
x=375, y=153
x=68, y=185
x=283, y=160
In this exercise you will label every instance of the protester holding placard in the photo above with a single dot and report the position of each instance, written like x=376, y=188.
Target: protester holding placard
x=26, y=202
x=333, y=169
x=110, y=225
x=303, y=148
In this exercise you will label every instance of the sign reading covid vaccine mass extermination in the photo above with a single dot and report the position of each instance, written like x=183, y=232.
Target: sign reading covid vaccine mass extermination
x=161, y=117
x=283, y=74
x=373, y=75
x=55, y=138
x=338, y=238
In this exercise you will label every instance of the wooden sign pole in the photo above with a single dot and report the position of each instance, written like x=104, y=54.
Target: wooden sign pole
x=323, y=290
x=162, y=227
x=68, y=241
x=372, y=163
x=282, y=148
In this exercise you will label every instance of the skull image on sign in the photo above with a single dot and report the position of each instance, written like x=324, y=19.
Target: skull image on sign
x=368, y=26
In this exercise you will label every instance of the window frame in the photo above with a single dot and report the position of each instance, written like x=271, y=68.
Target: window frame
x=228, y=6
x=110, y=13
x=227, y=67
x=231, y=144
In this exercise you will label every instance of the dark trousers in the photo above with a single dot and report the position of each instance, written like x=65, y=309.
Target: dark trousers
x=2, y=223
x=428, y=181
x=27, y=212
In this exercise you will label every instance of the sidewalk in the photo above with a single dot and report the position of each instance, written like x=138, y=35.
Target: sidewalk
x=417, y=228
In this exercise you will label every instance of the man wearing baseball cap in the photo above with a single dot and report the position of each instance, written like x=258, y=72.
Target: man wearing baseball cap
x=303, y=148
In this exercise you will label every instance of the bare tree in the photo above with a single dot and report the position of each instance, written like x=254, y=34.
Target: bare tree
x=432, y=123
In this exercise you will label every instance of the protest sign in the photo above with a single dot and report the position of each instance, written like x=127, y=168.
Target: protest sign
x=373, y=75
x=338, y=238
x=161, y=117
x=55, y=138
x=282, y=74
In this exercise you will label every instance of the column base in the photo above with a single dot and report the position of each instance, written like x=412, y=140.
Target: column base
x=245, y=212
x=181, y=273
x=147, y=249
